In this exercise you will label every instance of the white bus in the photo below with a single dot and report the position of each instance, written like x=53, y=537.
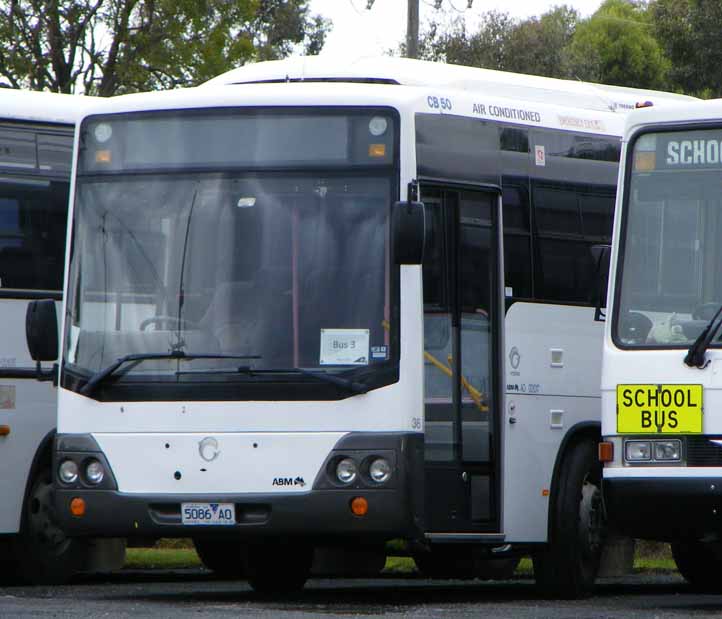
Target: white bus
x=253, y=356
x=36, y=142
x=662, y=355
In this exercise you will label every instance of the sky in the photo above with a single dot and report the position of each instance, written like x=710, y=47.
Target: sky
x=357, y=31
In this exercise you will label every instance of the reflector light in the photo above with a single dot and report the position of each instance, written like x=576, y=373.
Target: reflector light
x=606, y=451
x=77, y=507
x=640, y=104
x=359, y=506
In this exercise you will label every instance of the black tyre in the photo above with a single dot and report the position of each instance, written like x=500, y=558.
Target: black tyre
x=42, y=553
x=699, y=563
x=278, y=569
x=497, y=569
x=569, y=565
x=226, y=558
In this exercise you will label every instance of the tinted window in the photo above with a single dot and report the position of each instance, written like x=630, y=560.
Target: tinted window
x=557, y=209
x=567, y=270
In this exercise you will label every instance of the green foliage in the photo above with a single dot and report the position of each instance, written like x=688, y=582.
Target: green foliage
x=617, y=45
x=108, y=47
x=689, y=31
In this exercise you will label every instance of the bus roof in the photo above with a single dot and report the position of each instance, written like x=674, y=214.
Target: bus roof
x=47, y=107
x=407, y=72
x=689, y=112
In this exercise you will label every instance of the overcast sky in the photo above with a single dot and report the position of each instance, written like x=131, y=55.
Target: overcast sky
x=357, y=31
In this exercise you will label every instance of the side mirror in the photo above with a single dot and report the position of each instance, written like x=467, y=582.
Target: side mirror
x=41, y=330
x=408, y=232
x=601, y=254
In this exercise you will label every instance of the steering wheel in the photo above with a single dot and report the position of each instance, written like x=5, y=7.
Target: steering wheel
x=171, y=321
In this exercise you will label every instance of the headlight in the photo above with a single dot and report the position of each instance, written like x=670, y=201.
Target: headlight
x=346, y=471
x=668, y=450
x=635, y=451
x=68, y=472
x=380, y=470
x=94, y=472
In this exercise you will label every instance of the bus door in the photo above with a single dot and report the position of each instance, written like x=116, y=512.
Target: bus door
x=462, y=322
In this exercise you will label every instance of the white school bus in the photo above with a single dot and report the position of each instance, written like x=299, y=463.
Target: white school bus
x=662, y=356
x=315, y=304
x=36, y=143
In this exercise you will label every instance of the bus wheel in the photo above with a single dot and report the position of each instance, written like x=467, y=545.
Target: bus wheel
x=568, y=567
x=276, y=568
x=699, y=563
x=43, y=553
x=224, y=557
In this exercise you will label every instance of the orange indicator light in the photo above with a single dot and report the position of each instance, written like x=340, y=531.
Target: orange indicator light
x=77, y=507
x=606, y=451
x=377, y=150
x=103, y=156
x=4, y=430
x=359, y=506
x=545, y=491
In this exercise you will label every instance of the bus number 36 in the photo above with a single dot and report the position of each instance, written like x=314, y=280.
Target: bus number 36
x=438, y=103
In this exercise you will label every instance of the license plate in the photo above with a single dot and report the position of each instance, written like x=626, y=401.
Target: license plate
x=659, y=409
x=208, y=513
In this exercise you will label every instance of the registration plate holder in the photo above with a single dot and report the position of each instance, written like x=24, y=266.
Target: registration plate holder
x=208, y=514
x=659, y=409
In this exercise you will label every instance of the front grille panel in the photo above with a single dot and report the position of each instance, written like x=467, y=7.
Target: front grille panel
x=701, y=451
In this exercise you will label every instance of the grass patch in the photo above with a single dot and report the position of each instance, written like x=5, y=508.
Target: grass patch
x=179, y=553
x=161, y=558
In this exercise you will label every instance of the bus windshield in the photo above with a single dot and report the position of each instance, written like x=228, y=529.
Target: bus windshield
x=289, y=270
x=671, y=254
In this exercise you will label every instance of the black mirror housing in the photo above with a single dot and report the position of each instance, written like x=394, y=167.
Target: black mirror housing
x=41, y=330
x=408, y=232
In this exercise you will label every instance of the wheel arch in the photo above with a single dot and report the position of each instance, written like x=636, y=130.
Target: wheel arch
x=42, y=453
x=578, y=432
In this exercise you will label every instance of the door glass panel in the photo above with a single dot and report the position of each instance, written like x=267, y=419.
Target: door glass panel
x=475, y=270
x=438, y=340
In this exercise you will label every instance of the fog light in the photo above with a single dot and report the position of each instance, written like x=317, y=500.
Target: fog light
x=359, y=506
x=77, y=507
x=380, y=470
x=635, y=451
x=68, y=472
x=346, y=471
x=668, y=450
x=94, y=472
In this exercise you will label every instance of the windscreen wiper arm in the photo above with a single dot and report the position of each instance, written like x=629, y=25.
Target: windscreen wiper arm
x=349, y=385
x=106, y=372
x=695, y=357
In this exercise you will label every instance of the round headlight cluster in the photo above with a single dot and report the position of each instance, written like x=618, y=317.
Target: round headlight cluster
x=94, y=472
x=346, y=471
x=380, y=470
x=68, y=472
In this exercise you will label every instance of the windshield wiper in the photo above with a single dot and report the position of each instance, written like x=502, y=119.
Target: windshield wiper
x=349, y=385
x=695, y=357
x=106, y=372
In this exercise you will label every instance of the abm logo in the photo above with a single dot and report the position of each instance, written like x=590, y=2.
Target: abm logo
x=288, y=481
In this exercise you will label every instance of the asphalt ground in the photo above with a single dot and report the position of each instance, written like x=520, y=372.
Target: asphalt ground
x=195, y=593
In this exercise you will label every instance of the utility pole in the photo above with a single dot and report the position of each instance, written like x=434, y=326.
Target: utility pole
x=412, y=30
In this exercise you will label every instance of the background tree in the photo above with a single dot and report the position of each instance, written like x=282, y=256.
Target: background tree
x=108, y=47
x=539, y=45
x=690, y=33
x=617, y=45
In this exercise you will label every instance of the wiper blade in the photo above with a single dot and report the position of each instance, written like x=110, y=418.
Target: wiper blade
x=695, y=357
x=349, y=385
x=106, y=372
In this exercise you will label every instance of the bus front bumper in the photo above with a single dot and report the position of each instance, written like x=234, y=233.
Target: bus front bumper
x=321, y=513
x=665, y=509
